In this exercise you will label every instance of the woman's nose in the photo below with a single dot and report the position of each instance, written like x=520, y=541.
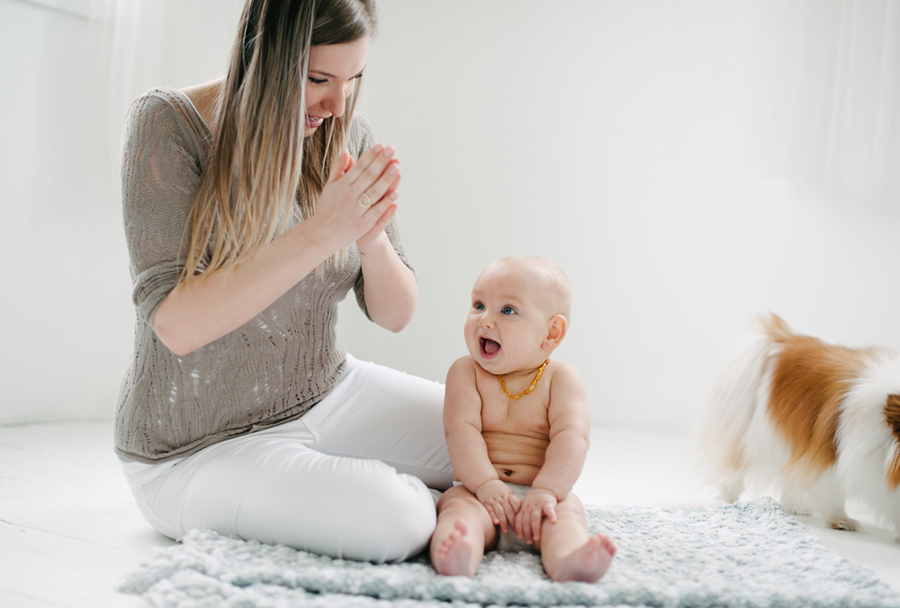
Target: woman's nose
x=336, y=103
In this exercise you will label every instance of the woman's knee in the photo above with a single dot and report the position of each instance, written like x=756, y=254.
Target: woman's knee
x=406, y=516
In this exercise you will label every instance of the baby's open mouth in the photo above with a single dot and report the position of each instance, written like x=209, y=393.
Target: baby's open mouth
x=489, y=348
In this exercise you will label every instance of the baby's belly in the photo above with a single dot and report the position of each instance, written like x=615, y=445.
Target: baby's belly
x=517, y=473
x=517, y=458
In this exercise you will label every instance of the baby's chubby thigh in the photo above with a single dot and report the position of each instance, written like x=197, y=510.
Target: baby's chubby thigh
x=571, y=521
x=571, y=507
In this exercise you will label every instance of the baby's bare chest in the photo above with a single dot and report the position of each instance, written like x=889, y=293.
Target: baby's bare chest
x=524, y=416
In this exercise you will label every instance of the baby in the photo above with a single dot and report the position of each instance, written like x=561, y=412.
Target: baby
x=518, y=428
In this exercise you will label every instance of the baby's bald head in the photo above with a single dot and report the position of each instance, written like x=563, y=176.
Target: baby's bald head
x=549, y=283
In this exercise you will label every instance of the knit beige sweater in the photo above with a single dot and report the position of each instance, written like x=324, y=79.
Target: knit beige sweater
x=270, y=370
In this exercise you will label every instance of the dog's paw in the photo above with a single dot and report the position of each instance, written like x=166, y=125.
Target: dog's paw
x=844, y=523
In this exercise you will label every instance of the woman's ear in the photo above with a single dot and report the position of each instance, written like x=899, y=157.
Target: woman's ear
x=559, y=325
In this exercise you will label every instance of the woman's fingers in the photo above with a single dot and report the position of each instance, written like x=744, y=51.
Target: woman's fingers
x=360, y=197
x=388, y=181
x=383, y=211
x=341, y=166
x=374, y=160
x=370, y=167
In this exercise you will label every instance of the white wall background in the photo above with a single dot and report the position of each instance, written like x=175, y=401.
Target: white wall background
x=620, y=139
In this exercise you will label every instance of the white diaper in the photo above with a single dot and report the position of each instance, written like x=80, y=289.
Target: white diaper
x=509, y=542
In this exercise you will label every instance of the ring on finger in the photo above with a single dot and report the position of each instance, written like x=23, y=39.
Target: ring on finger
x=365, y=200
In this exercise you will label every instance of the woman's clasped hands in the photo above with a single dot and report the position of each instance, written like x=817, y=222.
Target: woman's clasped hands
x=359, y=199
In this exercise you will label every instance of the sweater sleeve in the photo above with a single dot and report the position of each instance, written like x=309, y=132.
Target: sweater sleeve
x=361, y=139
x=161, y=170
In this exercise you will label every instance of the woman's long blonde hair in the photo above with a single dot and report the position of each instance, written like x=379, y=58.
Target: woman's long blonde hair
x=263, y=172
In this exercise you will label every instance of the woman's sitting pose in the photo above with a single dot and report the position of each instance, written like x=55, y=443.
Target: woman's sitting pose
x=252, y=205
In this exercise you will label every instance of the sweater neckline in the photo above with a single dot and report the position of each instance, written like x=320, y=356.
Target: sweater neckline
x=194, y=113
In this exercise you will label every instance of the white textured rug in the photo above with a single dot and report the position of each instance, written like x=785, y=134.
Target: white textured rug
x=735, y=556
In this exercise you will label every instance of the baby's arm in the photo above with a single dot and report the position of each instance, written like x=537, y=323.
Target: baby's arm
x=468, y=451
x=570, y=432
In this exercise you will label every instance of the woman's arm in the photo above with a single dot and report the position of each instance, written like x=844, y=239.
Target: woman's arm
x=194, y=315
x=391, y=291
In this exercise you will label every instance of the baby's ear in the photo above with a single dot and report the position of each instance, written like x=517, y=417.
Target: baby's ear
x=559, y=325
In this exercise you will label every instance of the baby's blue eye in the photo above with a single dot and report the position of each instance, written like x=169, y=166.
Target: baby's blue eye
x=508, y=310
x=478, y=306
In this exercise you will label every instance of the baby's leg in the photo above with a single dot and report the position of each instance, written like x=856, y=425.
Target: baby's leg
x=464, y=530
x=568, y=550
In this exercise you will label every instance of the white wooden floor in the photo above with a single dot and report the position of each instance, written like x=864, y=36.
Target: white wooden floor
x=69, y=531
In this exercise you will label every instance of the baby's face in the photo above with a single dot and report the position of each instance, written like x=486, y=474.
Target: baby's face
x=507, y=322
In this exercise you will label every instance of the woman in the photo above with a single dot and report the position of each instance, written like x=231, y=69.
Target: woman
x=252, y=205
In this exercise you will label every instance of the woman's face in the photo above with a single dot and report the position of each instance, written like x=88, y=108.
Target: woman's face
x=333, y=72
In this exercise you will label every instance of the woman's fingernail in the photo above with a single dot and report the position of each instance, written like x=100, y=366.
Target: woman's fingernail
x=392, y=170
x=393, y=195
x=377, y=148
x=389, y=151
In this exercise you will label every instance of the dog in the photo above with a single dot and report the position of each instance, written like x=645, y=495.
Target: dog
x=816, y=423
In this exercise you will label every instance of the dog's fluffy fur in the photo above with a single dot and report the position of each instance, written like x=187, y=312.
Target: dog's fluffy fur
x=815, y=423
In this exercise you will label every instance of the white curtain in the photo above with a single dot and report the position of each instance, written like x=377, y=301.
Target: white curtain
x=826, y=105
x=148, y=43
x=71, y=69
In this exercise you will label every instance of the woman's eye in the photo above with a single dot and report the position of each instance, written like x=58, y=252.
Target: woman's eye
x=317, y=80
x=508, y=310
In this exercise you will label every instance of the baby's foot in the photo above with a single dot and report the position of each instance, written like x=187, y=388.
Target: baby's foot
x=588, y=562
x=454, y=555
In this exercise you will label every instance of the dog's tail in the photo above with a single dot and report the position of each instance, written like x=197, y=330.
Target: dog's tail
x=774, y=327
x=741, y=388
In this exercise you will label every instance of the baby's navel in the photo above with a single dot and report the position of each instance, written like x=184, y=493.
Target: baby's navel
x=507, y=472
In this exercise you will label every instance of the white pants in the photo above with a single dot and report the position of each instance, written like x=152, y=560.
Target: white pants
x=347, y=479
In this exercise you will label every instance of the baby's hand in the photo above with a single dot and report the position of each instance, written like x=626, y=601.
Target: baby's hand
x=500, y=501
x=535, y=506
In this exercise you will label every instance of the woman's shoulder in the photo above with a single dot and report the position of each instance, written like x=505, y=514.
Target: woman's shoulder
x=160, y=99
x=163, y=113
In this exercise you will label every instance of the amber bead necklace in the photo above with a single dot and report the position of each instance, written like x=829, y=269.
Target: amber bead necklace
x=530, y=388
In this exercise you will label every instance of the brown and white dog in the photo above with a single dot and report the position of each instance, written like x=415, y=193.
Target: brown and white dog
x=813, y=422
